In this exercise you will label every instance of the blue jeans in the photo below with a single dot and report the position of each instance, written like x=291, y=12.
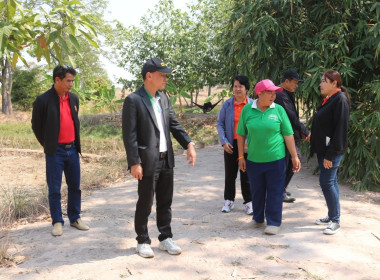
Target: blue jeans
x=267, y=182
x=67, y=161
x=328, y=180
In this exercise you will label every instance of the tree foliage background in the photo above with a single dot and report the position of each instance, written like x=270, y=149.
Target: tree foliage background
x=265, y=38
x=53, y=30
x=212, y=41
x=186, y=40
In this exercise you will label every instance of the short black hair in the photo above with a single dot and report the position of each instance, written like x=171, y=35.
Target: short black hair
x=242, y=80
x=61, y=71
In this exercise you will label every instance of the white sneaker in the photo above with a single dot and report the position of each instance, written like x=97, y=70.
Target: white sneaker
x=248, y=208
x=170, y=246
x=228, y=206
x=272, y=230
x=144, y=250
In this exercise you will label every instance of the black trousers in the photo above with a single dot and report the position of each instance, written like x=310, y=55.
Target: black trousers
x=161, y=184
x=231, y=168
x=289, y=166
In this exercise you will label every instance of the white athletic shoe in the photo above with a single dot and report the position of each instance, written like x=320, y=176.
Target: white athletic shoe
x=170, y=246
x=144, y=250
x=248, y=208
x=228, y=206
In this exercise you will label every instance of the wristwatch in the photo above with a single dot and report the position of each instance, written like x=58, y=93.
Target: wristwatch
x=192, y=143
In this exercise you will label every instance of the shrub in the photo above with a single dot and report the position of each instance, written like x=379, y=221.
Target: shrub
x=27, y=85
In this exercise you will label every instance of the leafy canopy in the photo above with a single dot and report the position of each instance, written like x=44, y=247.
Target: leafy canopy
x=265, y=38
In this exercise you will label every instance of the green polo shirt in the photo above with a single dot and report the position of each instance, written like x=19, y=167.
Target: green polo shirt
x=265, y=131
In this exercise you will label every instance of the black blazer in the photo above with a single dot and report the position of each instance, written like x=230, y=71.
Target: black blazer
x=141, y=135
x=46, y=120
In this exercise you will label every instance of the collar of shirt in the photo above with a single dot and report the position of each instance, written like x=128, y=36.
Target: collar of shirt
x=151, y=98
x=63, y=98
x=244, y=102
x=254, y=104
x=327, y=97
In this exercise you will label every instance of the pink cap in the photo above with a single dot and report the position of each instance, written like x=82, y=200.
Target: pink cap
x=266, y=85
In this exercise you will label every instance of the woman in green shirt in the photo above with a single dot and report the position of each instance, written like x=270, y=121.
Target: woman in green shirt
x=268, y=128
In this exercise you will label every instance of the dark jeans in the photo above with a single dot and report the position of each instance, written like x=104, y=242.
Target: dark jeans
x=289, y=166
x=66, y=161
x=267, y=181
x=328, y=180
x=231, y=168
x=160, y=183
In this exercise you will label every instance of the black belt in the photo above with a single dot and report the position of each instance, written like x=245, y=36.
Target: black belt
x=66, y=145
x=163, y=154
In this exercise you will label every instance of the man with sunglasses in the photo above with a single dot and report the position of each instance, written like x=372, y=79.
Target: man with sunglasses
x=55, y=124
x=147, y=120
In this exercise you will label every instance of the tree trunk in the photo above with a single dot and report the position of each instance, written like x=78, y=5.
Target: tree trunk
x=6, y=87
x=209, y=90
x=196, y=96
x=187, y=103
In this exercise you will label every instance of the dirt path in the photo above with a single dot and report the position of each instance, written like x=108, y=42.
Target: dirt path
x=215, y=245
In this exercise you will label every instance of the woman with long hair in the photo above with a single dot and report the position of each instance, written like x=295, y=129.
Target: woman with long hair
x=329, y=141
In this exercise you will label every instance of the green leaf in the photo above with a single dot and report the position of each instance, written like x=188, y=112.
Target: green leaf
x=74, y=42
x=52, y=36
x=5, y=31
x=92, y=42
x=14, y=60
x=63, y=44
x=75, y=2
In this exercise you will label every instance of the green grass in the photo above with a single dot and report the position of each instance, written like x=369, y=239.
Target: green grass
x=18, y=136
x=101, y=135
x=16, y=129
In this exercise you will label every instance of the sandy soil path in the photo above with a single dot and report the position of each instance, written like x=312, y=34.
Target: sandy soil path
x=215, y=245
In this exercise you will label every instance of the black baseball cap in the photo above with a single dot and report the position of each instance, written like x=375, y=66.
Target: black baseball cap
x=291, y=75
x=154, y=64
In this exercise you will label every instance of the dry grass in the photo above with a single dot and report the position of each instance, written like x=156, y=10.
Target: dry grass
x=18, y=203
x=4, y=247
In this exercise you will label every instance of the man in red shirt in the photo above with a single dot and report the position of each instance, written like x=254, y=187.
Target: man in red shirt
x=55, y=123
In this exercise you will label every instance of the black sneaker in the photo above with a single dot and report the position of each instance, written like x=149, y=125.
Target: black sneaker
x=322, y=221
x=288, y=199
x=332, y=228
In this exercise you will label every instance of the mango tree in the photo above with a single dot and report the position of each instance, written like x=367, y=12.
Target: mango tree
x=48, y=34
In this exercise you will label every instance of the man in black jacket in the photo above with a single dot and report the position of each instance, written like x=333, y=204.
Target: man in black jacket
x=55, y=124
x=286, y=99
x=147, y=120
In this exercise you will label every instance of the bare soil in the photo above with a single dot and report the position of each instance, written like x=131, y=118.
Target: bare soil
x=215, y=245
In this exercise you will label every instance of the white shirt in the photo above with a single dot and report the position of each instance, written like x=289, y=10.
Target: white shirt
x=160, y=122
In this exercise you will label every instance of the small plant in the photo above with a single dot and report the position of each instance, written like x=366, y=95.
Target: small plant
x=17, y=204
x=176, y=93
x=84, y=95
x=236, y=263
x=107, y=98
